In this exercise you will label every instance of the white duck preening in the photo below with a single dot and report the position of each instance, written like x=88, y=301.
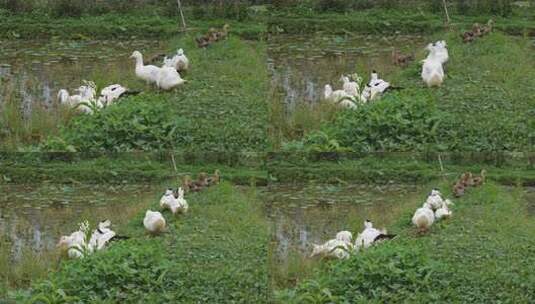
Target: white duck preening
x=101, y=236
x=424, y=217
x=370, y=235
x=84, y=98
x=434, y=199
x=167, y=198
x=443, y=212
x=179, y=62
x=332, y=248
x=438, y=51
x=154, y=222
x=350, y=87
x=375, y=87
x=75, y=244
x=165, y=78
x=182, y=203
x=339, y=97
x=345, y=236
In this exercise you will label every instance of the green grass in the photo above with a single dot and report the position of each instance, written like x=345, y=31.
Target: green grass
x=216, y=253
x=481, y=255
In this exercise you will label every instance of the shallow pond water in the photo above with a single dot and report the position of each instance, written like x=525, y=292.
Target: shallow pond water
x=33, y=217
x=36, y=69
x=300, y=66
x=304, y=214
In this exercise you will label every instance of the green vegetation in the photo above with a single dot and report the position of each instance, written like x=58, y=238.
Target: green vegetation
x=216, y=253
x=480, y=255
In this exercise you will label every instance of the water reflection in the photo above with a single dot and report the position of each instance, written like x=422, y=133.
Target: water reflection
x=33, y=217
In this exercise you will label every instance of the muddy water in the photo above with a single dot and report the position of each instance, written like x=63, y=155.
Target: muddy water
x=301, y=65
x=33, y=217
x=36, y=70
x=302, y=215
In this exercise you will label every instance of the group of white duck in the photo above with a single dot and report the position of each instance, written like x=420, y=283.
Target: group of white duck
x=342, y=245
x=76, y=245
x=351, y=94
x=172, y=200
x=435, y=208
x=165, y=77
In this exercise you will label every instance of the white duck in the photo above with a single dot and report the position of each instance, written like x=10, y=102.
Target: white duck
x=165, y=78
x=443, y=212
x=434, y=199
x=369, y=235
x=332, y=248
x=111, y=93
x=154, y=222
x=86, y=95
x=423, y=218
x=101, y=236
x=350, y=87
x=340, y=97
x=345, y=236
x=182, y=203
x=432, y=72
x=73, y=244
x=438, y=51
x=179, y=62
x=167, y=199
x=374, y=88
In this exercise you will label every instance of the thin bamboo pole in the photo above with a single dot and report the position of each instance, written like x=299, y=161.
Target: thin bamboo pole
x=181, y=14
x=446, y=10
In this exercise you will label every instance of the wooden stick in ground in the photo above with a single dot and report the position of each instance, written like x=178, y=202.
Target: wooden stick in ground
x=446, y=10
x=181, y=14
x=174, y=166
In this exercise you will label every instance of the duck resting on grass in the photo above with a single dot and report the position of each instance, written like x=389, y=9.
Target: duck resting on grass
x=371, y=235
x=179, y=61
x=103, y=235
x=443, y=212
x=113, y=92
x=339, y=97
x=345, y=236
x=331, y=249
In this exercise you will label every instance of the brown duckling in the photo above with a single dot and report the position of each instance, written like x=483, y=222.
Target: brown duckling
x=400, y=59
x=212, y=35
x=202, y=42
x=201, y=181
x=223, y=34
x=476, y=30
x=468, y=37
x=467, y=179
x=480, y=180
x=458, y=189
x=214, y=179
x=486, y=29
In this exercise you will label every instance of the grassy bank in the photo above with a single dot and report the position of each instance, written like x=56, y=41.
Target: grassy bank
x=215, y=253
x=114, y=26
x=478, y=256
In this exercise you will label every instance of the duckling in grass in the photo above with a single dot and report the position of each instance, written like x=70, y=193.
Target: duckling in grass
x=458, y=189
x=467, y=179
x=480, y=180
x=214, y=179
x=486, y=29
x=223, y=34
x=400, y=59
